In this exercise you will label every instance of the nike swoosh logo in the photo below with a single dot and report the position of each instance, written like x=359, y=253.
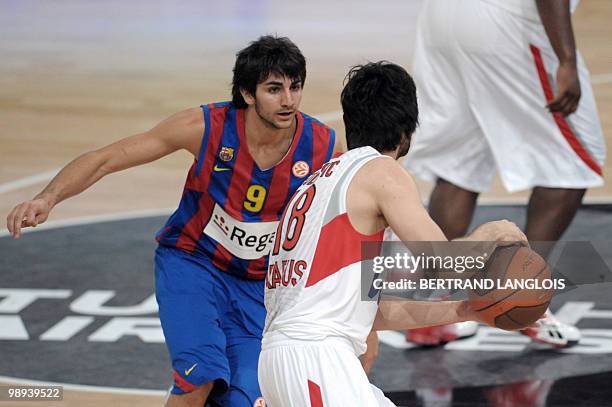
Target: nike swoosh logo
x=188, y=371
x=217, y=168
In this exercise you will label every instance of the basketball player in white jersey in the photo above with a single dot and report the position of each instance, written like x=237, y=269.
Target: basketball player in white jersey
x=503, y=88
x=317, y=323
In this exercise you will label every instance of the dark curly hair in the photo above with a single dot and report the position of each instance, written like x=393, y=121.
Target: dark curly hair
x=268, y=55
x=380, y=106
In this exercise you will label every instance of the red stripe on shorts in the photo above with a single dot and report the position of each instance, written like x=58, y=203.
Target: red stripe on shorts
x=564, y=127
x=314, y=391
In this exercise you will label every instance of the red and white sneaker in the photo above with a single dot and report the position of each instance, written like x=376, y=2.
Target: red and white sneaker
x=549, y=330
x=439, y=335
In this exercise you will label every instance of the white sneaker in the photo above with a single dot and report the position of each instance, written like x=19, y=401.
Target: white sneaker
x=439, y=335
x=550, y=331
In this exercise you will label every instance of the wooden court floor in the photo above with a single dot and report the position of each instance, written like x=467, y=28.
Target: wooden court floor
x=77, y=75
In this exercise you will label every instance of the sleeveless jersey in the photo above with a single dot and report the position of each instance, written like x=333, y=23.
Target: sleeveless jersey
x=313, y=284
x=230, y=207
x=524, y=8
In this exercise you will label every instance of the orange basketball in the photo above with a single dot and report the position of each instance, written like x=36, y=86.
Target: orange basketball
x=521, y=291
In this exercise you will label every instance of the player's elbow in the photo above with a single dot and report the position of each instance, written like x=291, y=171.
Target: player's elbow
x=101, y=161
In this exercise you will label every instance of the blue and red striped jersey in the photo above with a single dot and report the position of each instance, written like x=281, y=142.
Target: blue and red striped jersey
x=230, y=207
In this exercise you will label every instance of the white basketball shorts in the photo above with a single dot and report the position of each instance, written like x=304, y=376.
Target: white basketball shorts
x=324, y=373
x=484, y=76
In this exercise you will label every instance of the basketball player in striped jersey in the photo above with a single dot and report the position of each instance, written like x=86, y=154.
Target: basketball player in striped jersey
x=317, y=323
x=250, y=155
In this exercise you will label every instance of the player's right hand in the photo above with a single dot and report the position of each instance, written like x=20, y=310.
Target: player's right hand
x=501, y=232
x=27, y=214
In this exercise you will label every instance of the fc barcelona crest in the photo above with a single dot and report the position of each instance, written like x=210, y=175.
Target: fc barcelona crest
x=226, y=154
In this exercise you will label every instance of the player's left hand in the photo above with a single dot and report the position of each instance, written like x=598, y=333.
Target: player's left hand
x=368, y=358
x=501, y=233
x=568, y=90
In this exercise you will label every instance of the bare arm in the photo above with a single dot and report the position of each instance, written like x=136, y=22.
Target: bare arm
x=403, y=314
x=181, y=131
x=368, y=358
x=557, y=20
x=393, y=195
x=397, y=201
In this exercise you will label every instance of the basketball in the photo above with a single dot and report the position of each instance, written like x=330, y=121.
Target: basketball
x=520, y=294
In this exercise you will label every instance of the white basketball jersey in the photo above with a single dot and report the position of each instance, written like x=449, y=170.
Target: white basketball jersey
x=525, y=8
x=313, y=285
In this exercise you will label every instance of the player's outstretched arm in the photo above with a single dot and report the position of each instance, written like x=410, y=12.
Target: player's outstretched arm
x=557, y=20
x=396, y=199
x=406, y=314
x=181, y=131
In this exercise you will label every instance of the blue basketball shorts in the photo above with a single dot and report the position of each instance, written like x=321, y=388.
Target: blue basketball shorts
x=213, y=324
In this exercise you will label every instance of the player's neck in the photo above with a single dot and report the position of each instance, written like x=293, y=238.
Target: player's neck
x=391, y=153
x=261, y=133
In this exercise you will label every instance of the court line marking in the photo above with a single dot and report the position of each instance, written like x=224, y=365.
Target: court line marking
x=28, y=181
x=85, y=388
x=88, y=220
x=510, y=201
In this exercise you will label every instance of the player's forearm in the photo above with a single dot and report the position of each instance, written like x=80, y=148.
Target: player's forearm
x=74, y=178
x=557, y=20
x=400, y=314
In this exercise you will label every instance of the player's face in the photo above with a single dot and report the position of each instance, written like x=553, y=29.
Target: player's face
x=277, y=100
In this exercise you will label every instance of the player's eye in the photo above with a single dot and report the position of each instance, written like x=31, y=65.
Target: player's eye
x=274, y=89
x=296, y=86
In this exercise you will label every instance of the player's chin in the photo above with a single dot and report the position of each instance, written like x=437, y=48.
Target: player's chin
x=283, y=122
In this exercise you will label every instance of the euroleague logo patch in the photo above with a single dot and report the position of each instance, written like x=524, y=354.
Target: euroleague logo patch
x=301, y=169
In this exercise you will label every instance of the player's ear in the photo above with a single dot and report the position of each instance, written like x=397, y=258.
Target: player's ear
x=248, y=98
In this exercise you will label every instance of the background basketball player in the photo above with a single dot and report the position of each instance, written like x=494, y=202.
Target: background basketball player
x=500, y=83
